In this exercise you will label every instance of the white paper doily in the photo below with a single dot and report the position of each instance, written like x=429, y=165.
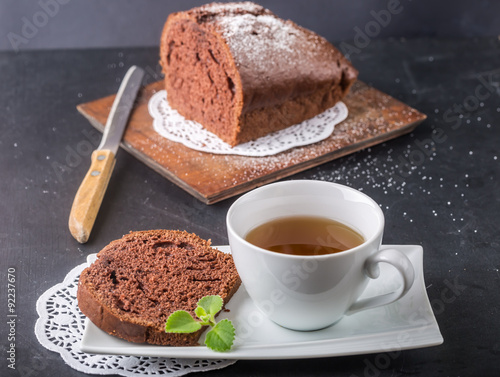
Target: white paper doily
x=60, y=326
x=173, y=126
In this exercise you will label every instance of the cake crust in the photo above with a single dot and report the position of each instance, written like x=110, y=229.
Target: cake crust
x=242, y=72
x=140, y=279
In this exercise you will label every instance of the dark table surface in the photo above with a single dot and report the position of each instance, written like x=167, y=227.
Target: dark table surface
x=438, y=187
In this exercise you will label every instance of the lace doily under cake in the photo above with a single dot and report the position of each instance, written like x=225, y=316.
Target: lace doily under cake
x=173, y=126
x=60, y=326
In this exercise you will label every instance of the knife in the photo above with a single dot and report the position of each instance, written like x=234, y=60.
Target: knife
x=89, y=196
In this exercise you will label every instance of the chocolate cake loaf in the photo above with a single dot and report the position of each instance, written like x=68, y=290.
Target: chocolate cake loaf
x=139, y=280
x=242, y=72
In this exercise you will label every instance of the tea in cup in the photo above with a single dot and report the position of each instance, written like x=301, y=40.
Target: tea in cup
x=306, y=250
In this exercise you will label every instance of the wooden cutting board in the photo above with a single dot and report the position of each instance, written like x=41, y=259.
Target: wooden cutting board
x=374, y=117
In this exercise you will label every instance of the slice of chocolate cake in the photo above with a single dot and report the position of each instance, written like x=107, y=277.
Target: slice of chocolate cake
x=139, y=280
x=242, y=72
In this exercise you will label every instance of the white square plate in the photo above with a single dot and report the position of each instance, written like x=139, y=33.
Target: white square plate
x=405, y=324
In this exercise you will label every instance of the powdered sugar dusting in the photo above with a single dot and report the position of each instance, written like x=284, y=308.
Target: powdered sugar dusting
x=258, y=34
x=246, y=6
x=264, y=43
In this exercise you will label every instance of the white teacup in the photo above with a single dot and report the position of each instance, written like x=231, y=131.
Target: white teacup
x=312, y=292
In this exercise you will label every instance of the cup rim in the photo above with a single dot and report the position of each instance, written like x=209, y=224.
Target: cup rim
x=292, y=256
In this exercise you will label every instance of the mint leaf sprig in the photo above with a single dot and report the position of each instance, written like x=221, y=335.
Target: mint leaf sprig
x=220, y=338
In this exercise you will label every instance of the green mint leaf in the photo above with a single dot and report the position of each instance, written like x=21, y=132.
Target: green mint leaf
x=181, y=322
x=201, y=313
x=206, y=320
x=221, y=337
x=211, y=305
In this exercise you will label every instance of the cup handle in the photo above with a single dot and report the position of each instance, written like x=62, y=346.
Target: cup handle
x=395, y=258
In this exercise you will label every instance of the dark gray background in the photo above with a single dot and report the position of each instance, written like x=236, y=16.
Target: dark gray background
x=42, y=24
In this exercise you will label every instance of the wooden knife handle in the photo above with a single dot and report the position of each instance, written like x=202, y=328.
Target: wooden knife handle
x=90, y=194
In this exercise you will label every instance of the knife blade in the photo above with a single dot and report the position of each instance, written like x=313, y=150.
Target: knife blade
x=89, y=196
